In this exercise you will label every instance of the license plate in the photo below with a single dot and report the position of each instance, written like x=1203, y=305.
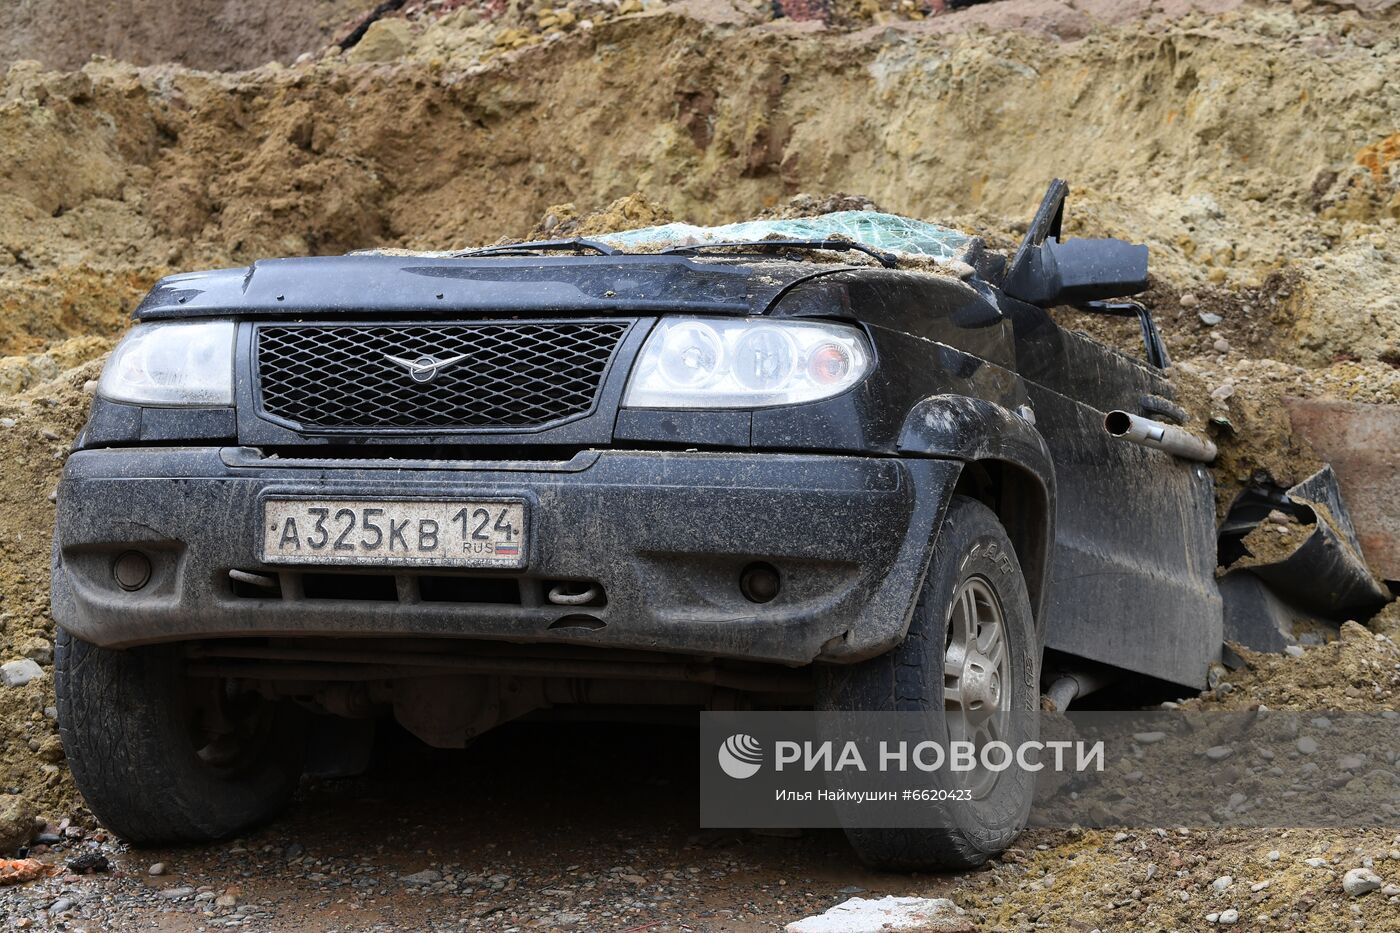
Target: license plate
x=395, y=532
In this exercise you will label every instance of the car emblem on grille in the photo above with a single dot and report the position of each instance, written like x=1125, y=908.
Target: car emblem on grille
x=425, y=368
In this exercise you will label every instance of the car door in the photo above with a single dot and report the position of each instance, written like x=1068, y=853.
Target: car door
x=1132, y=578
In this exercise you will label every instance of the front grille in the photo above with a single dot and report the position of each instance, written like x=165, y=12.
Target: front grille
x=494, y=375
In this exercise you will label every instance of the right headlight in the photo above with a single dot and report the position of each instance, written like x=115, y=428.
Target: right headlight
x=178, y=363
x=702, y=362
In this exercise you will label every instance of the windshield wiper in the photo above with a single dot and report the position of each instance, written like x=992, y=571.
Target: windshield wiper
x=574, y=244
x=888, y=260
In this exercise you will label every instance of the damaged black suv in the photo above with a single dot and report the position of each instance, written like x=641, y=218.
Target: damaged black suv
x=458, y=489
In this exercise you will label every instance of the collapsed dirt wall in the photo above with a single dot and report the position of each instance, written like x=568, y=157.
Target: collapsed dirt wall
x=1231, y=146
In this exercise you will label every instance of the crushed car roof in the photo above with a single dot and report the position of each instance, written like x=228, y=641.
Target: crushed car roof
x=888, y=232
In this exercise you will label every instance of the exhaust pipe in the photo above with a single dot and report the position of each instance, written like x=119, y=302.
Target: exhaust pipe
x=1159, y=436
x=1072, y=685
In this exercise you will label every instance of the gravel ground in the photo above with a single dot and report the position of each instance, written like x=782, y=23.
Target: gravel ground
x=578, y=827
x=593, y=827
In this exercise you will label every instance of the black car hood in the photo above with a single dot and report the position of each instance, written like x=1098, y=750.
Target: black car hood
x=399, y=283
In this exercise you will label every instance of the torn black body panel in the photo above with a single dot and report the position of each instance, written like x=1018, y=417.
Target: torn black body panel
x=1323, y=580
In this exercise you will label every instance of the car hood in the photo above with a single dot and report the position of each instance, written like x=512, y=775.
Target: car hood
x=395, y=284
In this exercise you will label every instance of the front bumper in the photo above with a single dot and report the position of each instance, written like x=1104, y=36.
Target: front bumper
x=666, y=535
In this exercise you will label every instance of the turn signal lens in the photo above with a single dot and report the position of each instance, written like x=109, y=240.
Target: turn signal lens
x=828, y=364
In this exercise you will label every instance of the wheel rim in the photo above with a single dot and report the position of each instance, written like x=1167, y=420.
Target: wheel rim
x=976, y=675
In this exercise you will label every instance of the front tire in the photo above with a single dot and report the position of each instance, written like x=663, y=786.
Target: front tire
x=161, y=757
x=970, y=662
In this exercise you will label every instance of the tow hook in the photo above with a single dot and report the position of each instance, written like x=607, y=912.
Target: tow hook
x=560, y=594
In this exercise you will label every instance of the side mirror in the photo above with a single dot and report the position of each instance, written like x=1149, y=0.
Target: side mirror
x=1077, y=271
x=1046, y=271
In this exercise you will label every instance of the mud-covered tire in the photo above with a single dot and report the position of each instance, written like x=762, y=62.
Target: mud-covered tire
x=910, y=678
x=125, y=720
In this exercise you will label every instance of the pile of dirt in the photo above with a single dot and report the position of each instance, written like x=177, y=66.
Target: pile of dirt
x=565, y=220
x=1238, y=402
x=1183, y=879
x=36, y=429
x=18, y=373
x=114, y=174
x=1358, y=671
x=1170, y=878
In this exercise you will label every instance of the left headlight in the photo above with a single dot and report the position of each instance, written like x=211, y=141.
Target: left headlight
x=701, y=362
x=179, y=363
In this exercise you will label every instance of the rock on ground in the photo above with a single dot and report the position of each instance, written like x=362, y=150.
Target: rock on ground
x=16, y=823
x=426, y=876
x=20, y=871
x=904, y=914
x=18, y=673
x=385, y=41
x=1360, y=881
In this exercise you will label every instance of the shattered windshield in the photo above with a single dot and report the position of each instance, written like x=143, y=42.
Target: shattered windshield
x=882, y=231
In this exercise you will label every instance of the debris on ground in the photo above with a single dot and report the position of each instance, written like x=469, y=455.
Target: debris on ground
x=36, y=428
x=1361, y=881
x=889, y=915
x=17, y=823
x=1291, y=556
x=1359, y=670
x=1357, y=438
x=20, y=871
x=89, y=863
x=20, y=672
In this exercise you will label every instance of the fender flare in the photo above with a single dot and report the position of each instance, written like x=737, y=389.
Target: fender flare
x=970, y=429
x=959, y=427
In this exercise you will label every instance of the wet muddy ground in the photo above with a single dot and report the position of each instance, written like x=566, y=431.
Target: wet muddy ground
x=594, y=826
x=553, y=826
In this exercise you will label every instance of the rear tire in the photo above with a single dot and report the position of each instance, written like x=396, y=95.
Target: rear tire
x=160, y=757
x=973, y=574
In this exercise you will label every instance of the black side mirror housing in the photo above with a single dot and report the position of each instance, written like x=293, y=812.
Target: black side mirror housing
x=1090, y=270
x=1077, y=271
x=1046, y=271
